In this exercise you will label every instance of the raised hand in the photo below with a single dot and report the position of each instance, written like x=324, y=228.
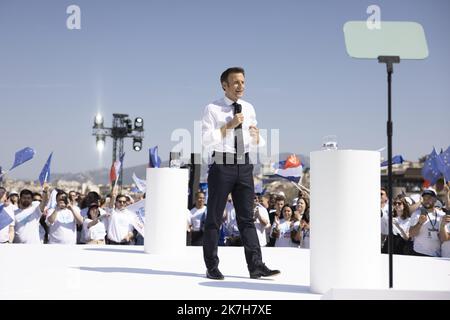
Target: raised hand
x=422, y=219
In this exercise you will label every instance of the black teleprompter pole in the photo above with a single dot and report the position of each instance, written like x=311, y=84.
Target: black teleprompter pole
x=390, y=60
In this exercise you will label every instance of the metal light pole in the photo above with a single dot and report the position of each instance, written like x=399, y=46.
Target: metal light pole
x=122, y=128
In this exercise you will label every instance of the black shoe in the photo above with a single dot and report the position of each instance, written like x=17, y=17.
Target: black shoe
x=263, y=271
x=214, y=274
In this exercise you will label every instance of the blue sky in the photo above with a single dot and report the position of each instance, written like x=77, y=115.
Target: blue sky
x=161, y=60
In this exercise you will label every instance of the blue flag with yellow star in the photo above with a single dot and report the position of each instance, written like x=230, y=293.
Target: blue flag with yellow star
x=430, y=170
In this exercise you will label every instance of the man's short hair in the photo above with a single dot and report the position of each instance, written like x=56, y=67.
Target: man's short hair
x=26, y=192
x=226, y=73
x=199, y=193
x=121, y=196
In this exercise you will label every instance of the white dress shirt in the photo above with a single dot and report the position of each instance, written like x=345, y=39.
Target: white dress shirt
x=219, y=113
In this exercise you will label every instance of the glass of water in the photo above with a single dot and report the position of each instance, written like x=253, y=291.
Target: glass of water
x=329, y=142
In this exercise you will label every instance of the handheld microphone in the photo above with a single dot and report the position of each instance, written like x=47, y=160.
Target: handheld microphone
x=238, y=109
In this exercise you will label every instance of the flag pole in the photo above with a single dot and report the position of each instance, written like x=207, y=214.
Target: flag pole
x=300, y=187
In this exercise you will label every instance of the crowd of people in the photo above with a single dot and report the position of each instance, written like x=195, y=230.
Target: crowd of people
x=421, y=222
x=70, y=218
x=277, y=223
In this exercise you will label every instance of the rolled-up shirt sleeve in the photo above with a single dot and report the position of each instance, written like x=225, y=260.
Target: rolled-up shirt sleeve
x=211, y=135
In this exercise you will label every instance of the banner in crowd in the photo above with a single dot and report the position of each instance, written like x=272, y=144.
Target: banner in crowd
x=138, y=211
x=398, y=159
x=443, y=163
x=140, y=184
x=114, y=173
x=23, y=156
x=430, y=170
x=291, y=168
x=154, y=159
x=44, y=176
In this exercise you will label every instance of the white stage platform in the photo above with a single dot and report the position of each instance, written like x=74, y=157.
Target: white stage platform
x=126, y=272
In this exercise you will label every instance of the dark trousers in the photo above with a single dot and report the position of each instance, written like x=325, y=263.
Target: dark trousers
x=236, y=179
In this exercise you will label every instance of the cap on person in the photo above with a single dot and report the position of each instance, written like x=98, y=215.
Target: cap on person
x=13, y=192
x=409, y=200
x=429, y=192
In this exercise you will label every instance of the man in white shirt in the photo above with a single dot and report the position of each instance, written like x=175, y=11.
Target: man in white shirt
x=262, y=221
x=198, y=216
x=6, y=220
x=229, y=131
x=120, y=225
x=63, y=220
x=425, y=223
x=230, y=225
x=26, y=217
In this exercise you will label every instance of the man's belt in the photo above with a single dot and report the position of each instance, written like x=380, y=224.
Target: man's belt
x=230, y=158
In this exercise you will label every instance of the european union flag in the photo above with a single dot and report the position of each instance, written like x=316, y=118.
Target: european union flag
x=45, y=173
x=23, y=156
x=395, y=160
x=155, y=160
x=443, y=163
x=430, y=170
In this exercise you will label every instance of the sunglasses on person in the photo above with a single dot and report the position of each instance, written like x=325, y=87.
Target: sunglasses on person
x=398, y=203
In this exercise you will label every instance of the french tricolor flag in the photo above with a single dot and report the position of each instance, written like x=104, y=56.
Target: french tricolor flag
x=291, y=168
x=115, y=169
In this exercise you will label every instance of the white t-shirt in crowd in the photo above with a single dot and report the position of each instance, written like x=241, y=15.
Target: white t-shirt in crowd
x=6, y=220
x=445, y=246
x=120, y=224
x=304, y=243
x=427, y=241
x=96, y=232
x=83, y=213
x=404, y=224
x=197, y=216
x=230, y=225
x=260, y=228
x=188, y=219
x=64, y=229
x=27, y=224
x=285, y=235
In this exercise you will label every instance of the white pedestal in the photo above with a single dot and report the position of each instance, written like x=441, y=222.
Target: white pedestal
x=165, y=211
x=345, y=220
